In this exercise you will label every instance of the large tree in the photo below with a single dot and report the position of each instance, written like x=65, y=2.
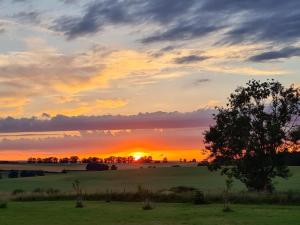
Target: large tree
x=253, y=132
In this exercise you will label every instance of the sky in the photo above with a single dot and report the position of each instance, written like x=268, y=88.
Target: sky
x=115, y=77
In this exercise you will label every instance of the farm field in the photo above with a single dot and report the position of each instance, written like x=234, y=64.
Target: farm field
x=94, y=213
x=129, y=180
x=61, y=167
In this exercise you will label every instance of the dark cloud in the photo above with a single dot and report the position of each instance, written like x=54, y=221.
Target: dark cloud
x=106, y=12
x=190, y=59
x=163, y=50
x=28, y=17
x=280, y=54
x=94, y=18
x=181, y=32
x=271, y=28
x=235, y=21
x=69, y=1
x=140, y=121
x=201, y=81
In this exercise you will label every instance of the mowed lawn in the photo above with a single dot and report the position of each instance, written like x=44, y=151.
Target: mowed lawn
x=129, y=180
x=94, y=213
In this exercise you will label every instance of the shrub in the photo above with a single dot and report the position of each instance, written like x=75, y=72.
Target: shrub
x=52, y=191
x=40, y=173
x=17, y=191
x=27, y=173
x=181, y=189
x=113, y=167
x=79, y=196
x=3, y=205
x=97, y=167
x=199, y=198
x=13, y=174
x=38, y=190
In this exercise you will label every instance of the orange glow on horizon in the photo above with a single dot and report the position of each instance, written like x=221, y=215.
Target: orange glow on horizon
x=138, y=155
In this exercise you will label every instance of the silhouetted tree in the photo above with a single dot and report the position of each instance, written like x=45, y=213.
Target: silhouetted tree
x=253, y=133
x=74, y=159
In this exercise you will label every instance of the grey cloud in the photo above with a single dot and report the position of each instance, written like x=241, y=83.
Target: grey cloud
x=69, y=1
x=246, y=21
x=181, y=32
x=154, y=120
x=190, y=59
x=274, y=28
x=280, y=54
x=28, y=17
x=99, y=14
x=95, y=17
x=201, y=81
x=107, y=142
x=163, y=50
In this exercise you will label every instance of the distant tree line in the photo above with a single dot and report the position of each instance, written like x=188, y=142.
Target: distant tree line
x=109, y=160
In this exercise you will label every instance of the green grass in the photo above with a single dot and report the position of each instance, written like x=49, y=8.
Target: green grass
x=94, y=213
x=128, y=180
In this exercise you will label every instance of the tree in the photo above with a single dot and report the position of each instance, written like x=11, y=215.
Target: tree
x=254, y=132
x=74, y=159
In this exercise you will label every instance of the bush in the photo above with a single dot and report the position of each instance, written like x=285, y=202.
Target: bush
x=40, y=173
x=32, y=173
x=97, y=167
x=3, y=205
x=38, y=190
x=181, y=189
x=199, y=198
x=27, y=173
x=13, y=174
x=17, y=191
x=52, y=191
x=113, y=167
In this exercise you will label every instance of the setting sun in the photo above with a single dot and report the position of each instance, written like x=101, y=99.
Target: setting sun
x=138, y=155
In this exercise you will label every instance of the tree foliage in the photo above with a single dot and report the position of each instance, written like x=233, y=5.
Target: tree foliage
x=253, y=132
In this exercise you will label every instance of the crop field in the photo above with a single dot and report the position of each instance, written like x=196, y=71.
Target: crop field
x=128, y=180
x=94, y=213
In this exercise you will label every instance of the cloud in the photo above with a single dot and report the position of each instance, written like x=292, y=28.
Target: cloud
x=13, y=106
x=283, y=53
x=109, y=122
x=32, y=17
x=94, y=18
x=181, y=32
x=155, y=142
x=190, y=59
x=70, y=1
x=201, y=81
x=186, y=20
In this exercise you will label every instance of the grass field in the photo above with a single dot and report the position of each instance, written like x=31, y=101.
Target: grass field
x=128, y=180
x=94, y=213
x=60, y=167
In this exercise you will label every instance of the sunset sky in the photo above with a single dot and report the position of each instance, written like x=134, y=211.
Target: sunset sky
x=115, y=77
